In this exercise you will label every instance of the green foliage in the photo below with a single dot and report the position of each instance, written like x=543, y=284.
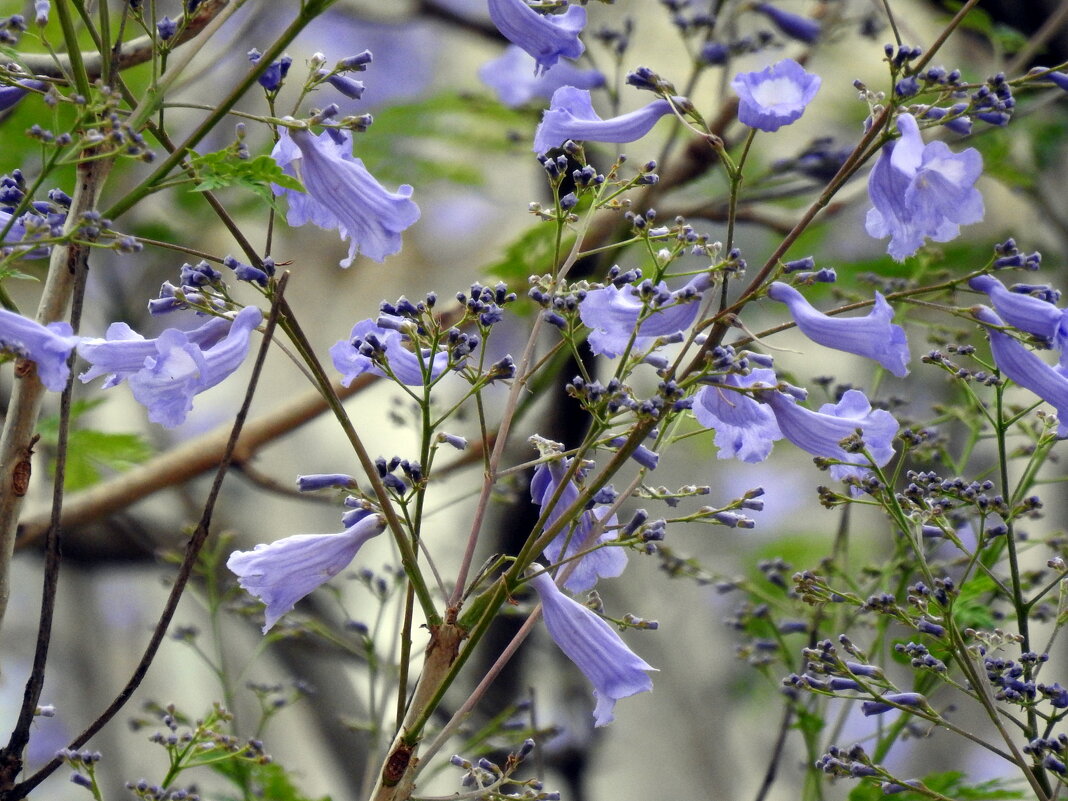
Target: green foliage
x=91, y=451
x=953, y=784
x=532, y=253
x=223, y=168
x=272, y=781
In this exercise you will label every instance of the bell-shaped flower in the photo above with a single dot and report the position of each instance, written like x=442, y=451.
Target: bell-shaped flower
x=606, y=562
x=512, y=76
x=165, y=373
x=775, y=96
x=745, y=429
x=342, y=194
x=612, y=314
x=571, y=116
x=593, y=645
x=821, y=433
x=47, y=346
x=872, y=336
x=1025, y=312
x=1025, y=368
x=920, y=191
x=545, y=37
x=284, y=571
x=371, y=347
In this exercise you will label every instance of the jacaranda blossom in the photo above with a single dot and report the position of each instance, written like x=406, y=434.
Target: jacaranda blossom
x=47, y=346
x=611, y=313
x=1027, y=313
x=804, y=29
x=545, y=37
x=284, y=571
x=165, y=373
x=775, y=96
x=919, y=191
x=353, y=356
x=342, y=194
x=594, y=646
x=604, y=562
x=13, y=93
x=872, y=336
x=745, y=429
x=571, y=116
x=512, y=76
x=1025, y=368
x=820, y=433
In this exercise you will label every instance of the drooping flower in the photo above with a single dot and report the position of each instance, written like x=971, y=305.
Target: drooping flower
x=1025, y=312
x=612, y=314
x=606, y=562
x=594, y=646
x=284, y=571
x=775, y=96
x=167, y=372
x=545, y=37
x=512, y=76
x=872, y=336
x=571, y=116
x=369, y=341
x=342, y=194
x=804, y=29
x=821, y=433
x=745, y=429
x=47, y=346
x=920, y=191
x=1025, y=368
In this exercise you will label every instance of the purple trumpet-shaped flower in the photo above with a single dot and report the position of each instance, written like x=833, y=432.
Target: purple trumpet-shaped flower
x=545, y=37
x=342, y=194
x=820, y=433
x=604, y=562
x=512, y=77
x=11, y=95
x=612, y=314
x=745, y=429
x=594, y=646
x=1027, y=313
x=356, y=355
x=571, y=116
x=47, y=346
x=775, y=96
x=283, y=572
x=920, y=191
x=804, y=29
x=167, y=372
x=872, y=336
x=1026, y=368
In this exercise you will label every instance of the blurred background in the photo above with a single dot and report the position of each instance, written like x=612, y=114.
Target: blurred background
x=709, y=728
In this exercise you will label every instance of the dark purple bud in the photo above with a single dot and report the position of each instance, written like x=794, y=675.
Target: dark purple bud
x=166, y=28
x=804, y=29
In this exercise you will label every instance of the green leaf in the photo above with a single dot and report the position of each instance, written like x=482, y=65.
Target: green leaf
x=90, y=451
x=272, y=781
x=224, y=169
x=533, y=253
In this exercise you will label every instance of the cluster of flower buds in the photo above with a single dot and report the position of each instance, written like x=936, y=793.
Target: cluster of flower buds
x=338, y=76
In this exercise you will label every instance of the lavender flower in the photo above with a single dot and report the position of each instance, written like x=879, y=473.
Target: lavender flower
x=354, y=356
x=571, y=116
x=745, y=429
x=1025, y=312
x=605, y=562
x=1026, y=369
x=283, y=572
x=775, y=96
x=920, y=191
x=167, y=372
x=612, y=314
x=47, y=346
x=820, y=433
x=545, y=37
x=914, y=700
x=512, y=76
x=872, y=336
x=342, y=194
x=11, y=95
x=804, y=29
x=593, y=645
